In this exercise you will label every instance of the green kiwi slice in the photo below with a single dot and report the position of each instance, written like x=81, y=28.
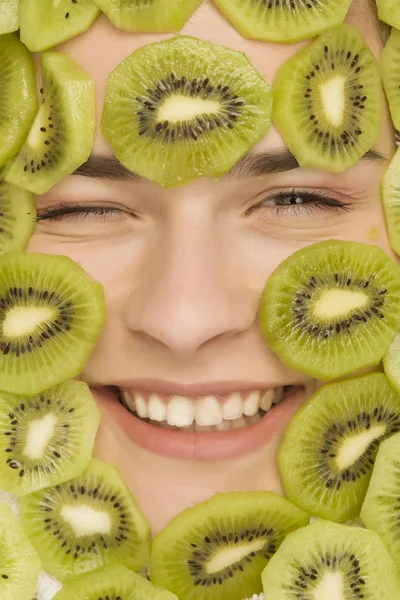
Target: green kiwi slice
x=391, y=364
x=46, y=439
x=153, y=16
x=184, y=108
x=9, y=17
x=19, y=563
x=390, y=70
x=86, y=523
x=391, y=201
x=51, y=314
x=282, y=21
x=114, y=582
x=381, y=509
x=61, y=137
x=328, y=101
x=218, y=548
x=18, y=99
x=330, y=446
x=332, y=308
x=328, y=561
x=389, y=12
x=46, y=23
x=17, y=216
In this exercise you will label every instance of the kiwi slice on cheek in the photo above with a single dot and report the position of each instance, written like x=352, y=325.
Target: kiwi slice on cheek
x=48, y=306
x=328, y=561
x=219, y=548
x=328, y=101
x=17, y=216
x=390, y=69
x=182, y=109
x=9, y=17
x=391, y=201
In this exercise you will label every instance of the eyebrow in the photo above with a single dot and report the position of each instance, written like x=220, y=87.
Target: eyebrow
x=253, y=164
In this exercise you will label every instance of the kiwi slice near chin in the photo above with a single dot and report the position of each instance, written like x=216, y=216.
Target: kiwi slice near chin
x=283, y=21
x=332, y=308
x=51, y=314
x=19, y=563
x=328, y=101
x=218, y=548
x=9, y=17
x=46, y=439
x=111, y=583
x=329, y=561
x=330, y=446
x=184, y=108
x=391, y=201
x=86, y=523
x=45, y=23
x=390, y=70
x=61, y=137
x=17, y=216
x=389, y=12
x=150, y=16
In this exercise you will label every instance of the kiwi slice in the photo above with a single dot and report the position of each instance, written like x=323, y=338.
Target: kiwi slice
x=390, y=70
x=328, y=561
x=218, y=548
x=61, y=138
x=17, y=216
x=114, y=582
x=9, y=17
x=150, y=16
x=391, y=201
x=391, y=364
x=330, y=446
x=86, y=523
x=328, y=101
x=184, y=108
x=19, y=563
x=282, y=21
x=18, y=99
x=46, y=23
x=51, y=314
x=46, y=439
x=389, y=12
x=332, y=308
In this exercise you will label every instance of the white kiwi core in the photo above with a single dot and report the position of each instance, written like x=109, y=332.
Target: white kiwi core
x=330, y=587
x=183, y=108
x=84, y=520
x=228, y=556
x=336, y=303
x=23, y=320
x=355, y=446
x=333, y=99
x=39, y=435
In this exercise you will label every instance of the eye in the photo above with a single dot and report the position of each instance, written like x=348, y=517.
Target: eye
x=298, y=201
x=79, y=211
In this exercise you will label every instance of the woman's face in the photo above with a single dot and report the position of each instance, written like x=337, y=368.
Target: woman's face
x=183, y=270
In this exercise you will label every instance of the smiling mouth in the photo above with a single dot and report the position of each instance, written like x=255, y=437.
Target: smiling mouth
x=203, y=413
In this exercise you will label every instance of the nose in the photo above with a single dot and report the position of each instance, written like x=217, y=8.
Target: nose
x=189, y=293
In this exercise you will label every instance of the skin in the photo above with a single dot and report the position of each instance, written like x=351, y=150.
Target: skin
x=161, y=322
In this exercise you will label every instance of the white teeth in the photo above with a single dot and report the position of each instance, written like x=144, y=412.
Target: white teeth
x=224, y=426
x=252, y=404
x=157, y=409
x=266, y=400
x=278, y=395
x=180, y=411
x=129, y=402
x=142, y=408
x=233, y=407
x=208, y=411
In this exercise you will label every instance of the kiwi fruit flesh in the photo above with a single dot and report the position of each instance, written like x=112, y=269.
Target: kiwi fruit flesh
x=390, y=70
x=218, y=548
x=51, y=315
x=329, y=449
x=329, y=561
x=391, y=364
x=46, y=23
x=46, y=439
x=184, y=108
x=61, y=137
x=281, y=21
x=19, y=563
x=114, y=582
x=332, y=308
x=328, y=101
x=9, y=17
x=391, y=201
x=85, y=523
x=17, y=216
x=18, y=99
x=389, y=12
x=154, y=16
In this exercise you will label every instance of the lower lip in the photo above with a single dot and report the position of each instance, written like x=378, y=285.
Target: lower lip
x=210, y=446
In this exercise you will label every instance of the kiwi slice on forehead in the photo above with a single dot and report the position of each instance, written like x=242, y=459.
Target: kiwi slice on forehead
x=332, y=308
x=46, y=439
x=329, y=561
x=184, y=108
x=61, y=137
x=9, y=17
x=283, y=20
x=390, y=69
x=389, y=12
x=149, y=15
x=86, y=523
x=330, y=446
x=51, y=314
x=17, y=216
x=46, y=23
x=328, y=101
x=219, y=548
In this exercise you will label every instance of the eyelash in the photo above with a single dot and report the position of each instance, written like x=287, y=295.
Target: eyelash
x=314, y=201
